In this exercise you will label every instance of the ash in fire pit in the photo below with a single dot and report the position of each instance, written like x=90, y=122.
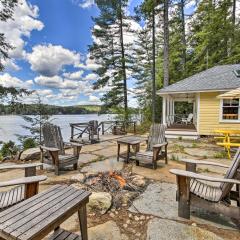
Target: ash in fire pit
x=123, y=187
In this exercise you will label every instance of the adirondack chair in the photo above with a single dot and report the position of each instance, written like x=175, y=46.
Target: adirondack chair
x=187, y=120
x=53, y=150
x=155, y=144
x=25, y=187
x=93, y=131
x=197, y=190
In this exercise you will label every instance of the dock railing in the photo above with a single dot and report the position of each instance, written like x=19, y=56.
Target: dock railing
x=114, y=127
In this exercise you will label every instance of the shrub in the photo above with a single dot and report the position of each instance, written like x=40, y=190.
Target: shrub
x=9, y=149
x=29, y=143
x=1, y=157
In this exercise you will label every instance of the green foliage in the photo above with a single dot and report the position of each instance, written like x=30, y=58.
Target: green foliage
x=28, y=143
x=1, y=157
x=221, y=154
x=9, y=149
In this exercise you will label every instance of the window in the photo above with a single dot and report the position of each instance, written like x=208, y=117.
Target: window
x=231, y=109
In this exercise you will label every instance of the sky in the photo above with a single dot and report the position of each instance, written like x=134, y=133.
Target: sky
x=50, y=54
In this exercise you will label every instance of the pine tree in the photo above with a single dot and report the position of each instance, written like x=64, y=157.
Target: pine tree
x=111, y=52
x=35, y=122
x=6, y=12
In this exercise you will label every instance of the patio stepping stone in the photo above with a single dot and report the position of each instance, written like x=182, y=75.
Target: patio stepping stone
x=161, y=229
x=106, y=231
x=159, y=199
x=85, y=158
x=199, y=152
x=110, y=164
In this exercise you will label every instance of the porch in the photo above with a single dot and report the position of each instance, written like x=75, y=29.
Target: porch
x=180, y=115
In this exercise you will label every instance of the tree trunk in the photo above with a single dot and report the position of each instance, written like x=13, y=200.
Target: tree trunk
x=123, y=63
x=183, y=34
x=166, y=46
x=153, y=68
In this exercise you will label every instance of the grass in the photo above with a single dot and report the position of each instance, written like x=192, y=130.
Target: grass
x=174, y=158
x=178, y=148
x=221, y=154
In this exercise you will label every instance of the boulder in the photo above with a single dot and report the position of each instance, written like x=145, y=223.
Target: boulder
x=78, y=178
x=138, y=181
x=99, y=202
x=31, y=154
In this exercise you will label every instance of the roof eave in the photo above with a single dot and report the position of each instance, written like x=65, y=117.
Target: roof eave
x=193, y=91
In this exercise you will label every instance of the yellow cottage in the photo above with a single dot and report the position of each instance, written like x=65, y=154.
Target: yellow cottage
x=191, y=107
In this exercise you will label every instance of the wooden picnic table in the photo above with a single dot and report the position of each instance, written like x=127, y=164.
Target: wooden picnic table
x=37, y=216
x=228, y=136
x=132, y=141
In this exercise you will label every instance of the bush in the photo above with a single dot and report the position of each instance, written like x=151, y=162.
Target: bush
x=9, y=149
x=29, y=143
x=1, y=157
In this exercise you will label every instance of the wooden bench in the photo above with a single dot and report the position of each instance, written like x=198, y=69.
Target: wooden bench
x=37, y=216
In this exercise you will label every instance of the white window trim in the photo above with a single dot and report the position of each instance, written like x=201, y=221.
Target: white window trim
x=221, y=120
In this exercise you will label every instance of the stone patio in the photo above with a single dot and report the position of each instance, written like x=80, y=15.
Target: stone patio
x=152, y=215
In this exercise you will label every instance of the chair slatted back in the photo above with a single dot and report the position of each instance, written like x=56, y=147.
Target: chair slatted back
x=156, y=135
x=53, y=137
x=231, y=174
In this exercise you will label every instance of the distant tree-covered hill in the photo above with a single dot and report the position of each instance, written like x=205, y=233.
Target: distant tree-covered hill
x=30, y=109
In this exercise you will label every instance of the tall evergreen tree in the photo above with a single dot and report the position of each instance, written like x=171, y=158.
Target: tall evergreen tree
x=110, y=51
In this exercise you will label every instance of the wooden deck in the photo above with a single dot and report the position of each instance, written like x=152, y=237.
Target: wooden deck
x=182, y=127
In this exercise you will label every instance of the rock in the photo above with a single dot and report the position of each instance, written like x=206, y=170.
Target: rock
x=199, y=152
x=78, y=185
x=139, y=181
x=167, y=207
x=125, y=197
x=78, y=178
x=31, y=154
x=142, y=217
x=106, y=231
x=136, y=218
x=112, y=215
x=100, y=202
x=161, y=229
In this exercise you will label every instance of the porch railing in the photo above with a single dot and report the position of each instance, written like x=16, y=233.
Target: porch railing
x=178, y=119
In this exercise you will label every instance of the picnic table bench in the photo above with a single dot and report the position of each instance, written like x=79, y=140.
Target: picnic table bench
x=227, y=136
x=37, y=216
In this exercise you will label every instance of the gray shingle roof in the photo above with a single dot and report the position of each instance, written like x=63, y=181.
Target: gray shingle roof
x=217, y=78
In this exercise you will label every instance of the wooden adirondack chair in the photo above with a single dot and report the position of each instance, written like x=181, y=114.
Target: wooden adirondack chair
x=53, y=150
x=26, y=187
x=155, y=144
x=196, y=189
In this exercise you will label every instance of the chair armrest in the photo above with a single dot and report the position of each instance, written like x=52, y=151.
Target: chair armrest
x=199, y=162
x=50, y=149
x=188, y=174
x=160, y=145
x=25, y=180
x=73, y=144
x=20, y=166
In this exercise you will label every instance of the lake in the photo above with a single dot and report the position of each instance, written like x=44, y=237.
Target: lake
x=10, y=125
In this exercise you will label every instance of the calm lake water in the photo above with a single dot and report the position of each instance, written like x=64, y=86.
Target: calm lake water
x=10, y=125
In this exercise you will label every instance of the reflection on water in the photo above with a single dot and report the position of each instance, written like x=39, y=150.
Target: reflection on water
x=10, y=125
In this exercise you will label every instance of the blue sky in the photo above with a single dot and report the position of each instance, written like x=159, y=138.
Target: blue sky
x=51, y=41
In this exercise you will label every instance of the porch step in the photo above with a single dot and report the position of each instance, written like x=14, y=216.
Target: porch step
x=171, y=134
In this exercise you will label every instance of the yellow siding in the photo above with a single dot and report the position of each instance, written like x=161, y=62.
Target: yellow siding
x=209, y=115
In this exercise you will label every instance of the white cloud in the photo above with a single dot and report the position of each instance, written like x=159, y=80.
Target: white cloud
x=24, y=22
x=48, y=60
x=86, y=3
x=6, y=80
x=53, y=82
x=91, y=77
x=74, y=76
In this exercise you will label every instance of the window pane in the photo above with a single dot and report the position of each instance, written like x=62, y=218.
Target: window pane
x=230, y=113
x=230, y=102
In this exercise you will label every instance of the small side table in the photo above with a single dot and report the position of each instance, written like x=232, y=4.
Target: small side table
x=133, y=142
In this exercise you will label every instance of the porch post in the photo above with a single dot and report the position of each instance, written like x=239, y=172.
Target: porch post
x=164, y=110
